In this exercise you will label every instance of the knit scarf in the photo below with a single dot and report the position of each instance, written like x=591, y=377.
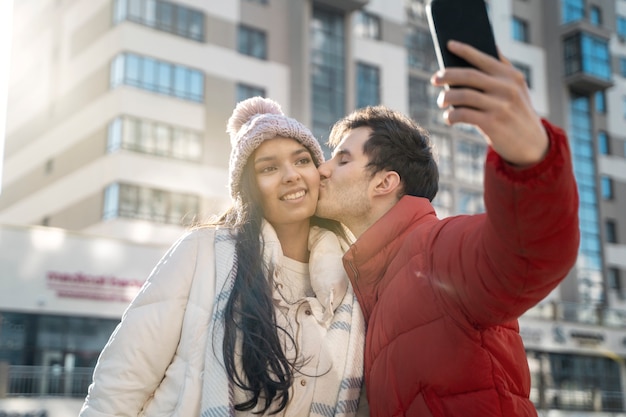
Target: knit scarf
x=345, y=336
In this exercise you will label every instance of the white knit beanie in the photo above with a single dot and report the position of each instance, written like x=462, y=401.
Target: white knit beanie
x=254, y=121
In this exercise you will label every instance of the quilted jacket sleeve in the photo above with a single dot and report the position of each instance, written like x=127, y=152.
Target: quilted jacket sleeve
x=134, y=361
x=506, y=261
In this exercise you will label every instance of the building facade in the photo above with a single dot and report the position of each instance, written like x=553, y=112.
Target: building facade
x=117, y=113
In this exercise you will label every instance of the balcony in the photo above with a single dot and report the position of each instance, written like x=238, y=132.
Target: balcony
x=343, y=5
x=587, y=62
x=44, y=381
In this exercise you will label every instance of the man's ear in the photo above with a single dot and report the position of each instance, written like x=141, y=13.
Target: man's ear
x=388, y=182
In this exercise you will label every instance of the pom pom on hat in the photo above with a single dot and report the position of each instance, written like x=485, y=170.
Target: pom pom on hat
x=254, y=121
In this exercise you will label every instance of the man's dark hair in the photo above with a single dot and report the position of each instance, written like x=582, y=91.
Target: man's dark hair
x=396, y=143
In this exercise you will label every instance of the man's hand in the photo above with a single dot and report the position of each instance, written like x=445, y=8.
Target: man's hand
x=497, y=103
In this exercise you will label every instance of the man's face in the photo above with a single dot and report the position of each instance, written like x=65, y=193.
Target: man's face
x=346, y=182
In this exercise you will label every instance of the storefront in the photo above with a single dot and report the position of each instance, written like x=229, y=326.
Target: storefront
x=61, y=296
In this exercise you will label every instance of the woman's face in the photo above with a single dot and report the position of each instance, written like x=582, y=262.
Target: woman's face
x=287, y=179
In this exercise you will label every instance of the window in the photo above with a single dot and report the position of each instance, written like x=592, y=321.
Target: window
x=572, y=10
x=524, y=69
x=604, y=146
x=367, y=85
x=622, y=66
x=245, y=91
x=155, y=138
x=157, y=76
x=135, y=202
x=624, y=107
x=471, y=202
x=569, y=379
x=328, y=70
x=366, y=25
x=621, y=26
x=443, y=201
x=469, y=161
x=520, y=30
x=595, y=16
x=161, y=15
x=442, y=149
x=599, y=99
x=614, y=280
x=610, y=228
x=259, y=1
x=252, y=42
x=606, y=187
x=587, y=53
x=423, y=101
x=420, y=50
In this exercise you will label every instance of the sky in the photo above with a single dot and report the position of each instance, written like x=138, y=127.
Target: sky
x=6, y=14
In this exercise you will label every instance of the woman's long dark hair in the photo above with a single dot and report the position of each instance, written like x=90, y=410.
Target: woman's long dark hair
x=266, y=373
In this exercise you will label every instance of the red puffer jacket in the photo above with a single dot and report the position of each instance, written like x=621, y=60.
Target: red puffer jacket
x=442, y=297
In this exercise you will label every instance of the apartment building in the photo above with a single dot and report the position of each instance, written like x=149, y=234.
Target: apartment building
x=117, y=112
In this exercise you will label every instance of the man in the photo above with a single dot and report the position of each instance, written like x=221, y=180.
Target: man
x=442, y=297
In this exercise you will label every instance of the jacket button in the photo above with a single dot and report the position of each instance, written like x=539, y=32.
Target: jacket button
x=307, y=312
x=303, y=382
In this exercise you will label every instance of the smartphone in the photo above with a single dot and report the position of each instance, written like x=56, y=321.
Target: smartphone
x=466, y=21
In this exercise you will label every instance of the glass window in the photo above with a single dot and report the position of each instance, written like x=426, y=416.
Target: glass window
x=621, y=26
x=117, y=71
x=135, y=11
x=524, y=69
x=120, y=9
x=245, y=91
x=520, y=30
x=132, y=73
x=367, y=85
x=624, y=107
x=366, y=25
x=610, y=228
x=149, y=75
x=252, y=42
x=328, y=57
x=423, y=101
x=111, y=201
x=162, y=77
x=162, y=15
x=604, y=147
x=156, y=205
x=180, y=82
x=471, y=202
x=622, y=66
x=442, y=147
x=420, y=50
x=444, y=202
x=164, y=71
x=165, y=16
x=469, y=161
x=595, y=16
x=587, y=53
x=572, y=10
x=154, y=138
x=114, y=135
x=606, y=187
x=599, y=99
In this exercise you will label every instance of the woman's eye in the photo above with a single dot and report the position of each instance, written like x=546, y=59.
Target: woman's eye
x=304, y=161
x=267, y=169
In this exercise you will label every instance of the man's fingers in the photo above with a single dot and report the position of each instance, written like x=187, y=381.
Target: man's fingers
x=479, y=59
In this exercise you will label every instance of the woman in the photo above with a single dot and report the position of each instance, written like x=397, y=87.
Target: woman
x=251, y=315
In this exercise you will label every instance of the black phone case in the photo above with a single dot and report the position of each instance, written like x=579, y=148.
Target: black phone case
x=463, y=20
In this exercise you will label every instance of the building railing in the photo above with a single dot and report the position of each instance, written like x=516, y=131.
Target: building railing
x=596, y=315
x=46, y=381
